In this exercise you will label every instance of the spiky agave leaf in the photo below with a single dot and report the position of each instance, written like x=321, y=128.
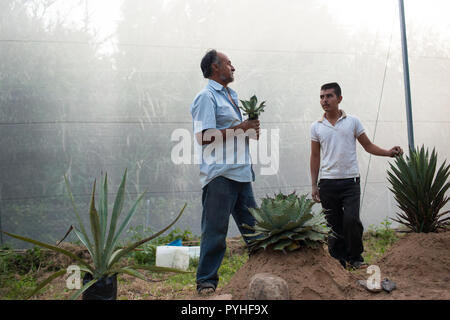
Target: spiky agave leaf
x=83, y=289
x=50, y=247
x=285, y=222
x=82, y=229
x=101, y=250
x=420, y=190
x=123, y=226
x=133, y=270
x=52, y=277
x=117, y=209
x=96, y=232
x=85, y=266
x=103, y=208
x=122, y=252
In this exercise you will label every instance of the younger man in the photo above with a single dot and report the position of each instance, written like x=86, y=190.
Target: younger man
x=333, y=155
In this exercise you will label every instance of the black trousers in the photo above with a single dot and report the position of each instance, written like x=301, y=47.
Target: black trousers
x=341, y=199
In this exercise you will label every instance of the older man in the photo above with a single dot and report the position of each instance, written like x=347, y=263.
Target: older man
x=225, y=176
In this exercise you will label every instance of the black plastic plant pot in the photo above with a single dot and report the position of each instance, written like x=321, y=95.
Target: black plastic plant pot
x=103, y=289
x=253, y=117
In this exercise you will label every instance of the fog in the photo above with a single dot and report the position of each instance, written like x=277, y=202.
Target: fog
x=89, y=87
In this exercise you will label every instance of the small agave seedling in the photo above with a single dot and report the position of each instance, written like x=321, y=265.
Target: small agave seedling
x=286, y=222
x=250, y=108
x=103, y=246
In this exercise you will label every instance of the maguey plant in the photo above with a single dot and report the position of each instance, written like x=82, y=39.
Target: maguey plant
x=103, y=245
x=420, y=190
x=286, y=222
x=251, y=108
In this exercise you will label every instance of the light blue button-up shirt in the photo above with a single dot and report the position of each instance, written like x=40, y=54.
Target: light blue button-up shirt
x=212, y=109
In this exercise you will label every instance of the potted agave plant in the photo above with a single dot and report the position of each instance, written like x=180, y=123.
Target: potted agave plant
x=100, y=279
x=286, y=222
x=251, y=108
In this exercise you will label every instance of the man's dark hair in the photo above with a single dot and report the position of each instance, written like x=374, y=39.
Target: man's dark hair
x=333, y=85
x=209, y=58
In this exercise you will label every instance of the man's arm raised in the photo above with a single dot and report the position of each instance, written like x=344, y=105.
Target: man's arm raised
x=376, y=150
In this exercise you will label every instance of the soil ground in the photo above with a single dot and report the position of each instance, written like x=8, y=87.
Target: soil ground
x=419, y=264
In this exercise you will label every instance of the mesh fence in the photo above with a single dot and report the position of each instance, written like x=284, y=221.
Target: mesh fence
x=89, y=87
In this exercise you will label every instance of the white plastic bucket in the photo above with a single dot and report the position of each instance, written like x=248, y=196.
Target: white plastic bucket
x=194, y=252
x=172, y=257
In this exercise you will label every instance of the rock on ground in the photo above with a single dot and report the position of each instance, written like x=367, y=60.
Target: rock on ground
x=266, y=286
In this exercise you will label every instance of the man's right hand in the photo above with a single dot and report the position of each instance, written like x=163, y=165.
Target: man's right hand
x=315, y=194
x=395, y=151
x=251, y=125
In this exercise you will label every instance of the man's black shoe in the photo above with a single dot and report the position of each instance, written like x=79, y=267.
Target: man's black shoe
x=354, y=265
x=205, y=288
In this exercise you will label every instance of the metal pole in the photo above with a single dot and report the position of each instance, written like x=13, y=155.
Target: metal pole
x=406, y=77
x=1, y=227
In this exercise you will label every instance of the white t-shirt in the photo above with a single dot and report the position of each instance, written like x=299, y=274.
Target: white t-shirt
x=337, y=146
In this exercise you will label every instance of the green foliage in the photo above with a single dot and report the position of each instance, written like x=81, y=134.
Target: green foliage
x=251, y=108
x=102, y=245
x=286, y=222
x=21, y=263
x=17, y=268
x=385, y=233
x=231, y=263
x=377, y=240
x=420, y=190
x=18, y=287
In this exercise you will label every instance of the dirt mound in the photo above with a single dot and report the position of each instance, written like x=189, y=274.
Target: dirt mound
x=419, y=264
x=310, y=274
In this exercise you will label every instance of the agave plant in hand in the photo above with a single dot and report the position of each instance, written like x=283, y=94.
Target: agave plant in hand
x=286, y=222
x=103, y=245
x=420, y=190
x=251, y=108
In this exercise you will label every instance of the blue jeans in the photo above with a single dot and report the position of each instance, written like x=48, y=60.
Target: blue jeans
x=221, y=197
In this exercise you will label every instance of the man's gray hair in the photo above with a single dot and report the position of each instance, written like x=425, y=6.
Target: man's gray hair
x=209, y=58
